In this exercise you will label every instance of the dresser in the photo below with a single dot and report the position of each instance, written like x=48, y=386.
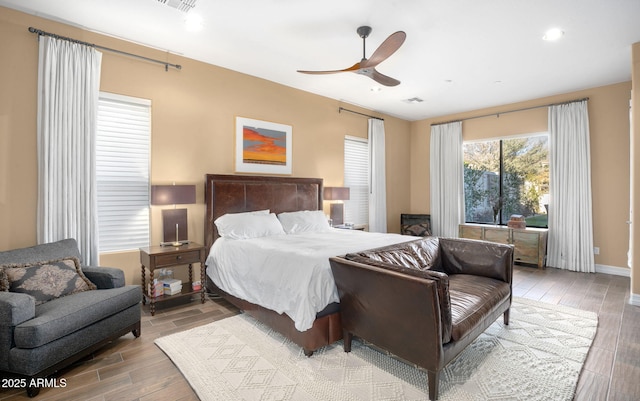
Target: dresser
x=530, y=244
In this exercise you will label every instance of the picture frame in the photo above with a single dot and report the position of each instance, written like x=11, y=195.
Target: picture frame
x=263, y=147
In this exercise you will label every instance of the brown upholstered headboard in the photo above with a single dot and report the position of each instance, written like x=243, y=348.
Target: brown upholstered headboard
x=245, y=193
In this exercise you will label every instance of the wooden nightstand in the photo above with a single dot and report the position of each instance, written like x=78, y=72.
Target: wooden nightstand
x=156, y=257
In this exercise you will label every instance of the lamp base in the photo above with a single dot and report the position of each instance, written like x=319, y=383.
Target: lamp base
x=337, y=213
x=175, y=228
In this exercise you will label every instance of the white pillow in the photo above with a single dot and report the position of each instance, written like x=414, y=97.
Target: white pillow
x=248, y=225
x=304, y=221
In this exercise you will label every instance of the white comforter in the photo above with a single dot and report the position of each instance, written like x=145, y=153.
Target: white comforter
x=288, y=273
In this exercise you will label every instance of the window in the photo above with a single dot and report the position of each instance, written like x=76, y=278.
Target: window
x=122, y=172
x=503, y=177
x=356, y=177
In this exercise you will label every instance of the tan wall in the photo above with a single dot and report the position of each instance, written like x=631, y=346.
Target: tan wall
x=609, y=129
x=635, y=174
x=193, y=119
x=193, y=134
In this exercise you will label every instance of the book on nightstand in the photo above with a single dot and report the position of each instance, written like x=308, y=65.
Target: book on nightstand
x=172, y=286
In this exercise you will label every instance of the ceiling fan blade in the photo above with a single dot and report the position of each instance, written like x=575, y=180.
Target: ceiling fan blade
x=354, y=67
x=383, y=79
x=386, y=49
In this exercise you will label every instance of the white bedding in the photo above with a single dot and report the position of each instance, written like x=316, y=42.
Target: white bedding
x=288, y=273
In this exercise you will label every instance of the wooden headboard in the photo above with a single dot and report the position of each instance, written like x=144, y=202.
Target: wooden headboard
x=245, y=193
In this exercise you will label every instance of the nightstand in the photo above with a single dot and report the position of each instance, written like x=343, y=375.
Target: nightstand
x=156, y=257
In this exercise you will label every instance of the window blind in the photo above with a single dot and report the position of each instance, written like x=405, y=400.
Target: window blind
x=122, y=172
x=356, y=177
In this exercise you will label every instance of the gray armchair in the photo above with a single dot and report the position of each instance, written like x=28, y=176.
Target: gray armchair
x=38, y=338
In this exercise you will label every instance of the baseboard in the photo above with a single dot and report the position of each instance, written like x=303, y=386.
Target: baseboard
x=615, y=270
x=634, y=299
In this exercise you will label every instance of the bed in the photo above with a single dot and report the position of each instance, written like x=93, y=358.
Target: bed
x=317, y=295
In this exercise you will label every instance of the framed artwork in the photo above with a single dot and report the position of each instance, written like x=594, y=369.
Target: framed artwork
x=263, y=147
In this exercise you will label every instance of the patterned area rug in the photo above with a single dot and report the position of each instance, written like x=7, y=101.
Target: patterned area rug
x=537, y=357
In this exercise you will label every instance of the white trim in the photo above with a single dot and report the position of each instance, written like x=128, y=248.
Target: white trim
x=634, y=299
x=125, y=98
x=507, y=137
x=614, y=270
x=356, y=138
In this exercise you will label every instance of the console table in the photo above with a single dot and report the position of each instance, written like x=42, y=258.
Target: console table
x=530, y=244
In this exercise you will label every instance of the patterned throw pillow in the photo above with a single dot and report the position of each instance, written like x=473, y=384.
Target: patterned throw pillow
x=48, y=280
x=417, y=230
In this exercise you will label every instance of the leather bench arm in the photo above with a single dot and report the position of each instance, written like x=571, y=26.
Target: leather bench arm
x=479, y=258
x=382, y=305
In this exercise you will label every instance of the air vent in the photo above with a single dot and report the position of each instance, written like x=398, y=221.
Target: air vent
x=413, y=100
x=182, y=5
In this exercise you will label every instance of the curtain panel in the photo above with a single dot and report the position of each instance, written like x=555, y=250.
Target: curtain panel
x=378, y=186
x=570, y=216
x=447, y=179
x=68, y=90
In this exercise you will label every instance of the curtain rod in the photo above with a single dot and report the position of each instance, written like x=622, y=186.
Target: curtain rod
x=340, y=109
x=513, y=111
x=53, y=35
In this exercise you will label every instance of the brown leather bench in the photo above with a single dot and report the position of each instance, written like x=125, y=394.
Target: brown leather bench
x=425, y=300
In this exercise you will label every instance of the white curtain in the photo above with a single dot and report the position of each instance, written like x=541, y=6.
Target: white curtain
x=570, y=218
x=68, y=89
x=447, y=179
x=378, y=186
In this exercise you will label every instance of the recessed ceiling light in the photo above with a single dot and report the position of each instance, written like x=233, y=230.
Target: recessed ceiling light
x=193, y=22
x=553, y=34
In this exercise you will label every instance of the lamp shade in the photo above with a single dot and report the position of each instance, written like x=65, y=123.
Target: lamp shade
x=336, y=193
x=173, y=194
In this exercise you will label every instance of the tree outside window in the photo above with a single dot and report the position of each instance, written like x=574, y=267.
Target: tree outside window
x=507, y=177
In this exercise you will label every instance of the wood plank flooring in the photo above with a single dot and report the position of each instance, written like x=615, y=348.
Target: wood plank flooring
x=135, y=369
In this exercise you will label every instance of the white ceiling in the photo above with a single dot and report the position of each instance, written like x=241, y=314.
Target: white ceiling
x=459, y=55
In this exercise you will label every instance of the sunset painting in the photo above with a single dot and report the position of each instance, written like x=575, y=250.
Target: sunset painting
x=262, y=147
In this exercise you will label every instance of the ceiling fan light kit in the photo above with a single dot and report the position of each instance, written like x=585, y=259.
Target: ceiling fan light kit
x=367, y=66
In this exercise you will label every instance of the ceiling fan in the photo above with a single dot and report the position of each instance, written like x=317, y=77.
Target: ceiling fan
x=367, y=66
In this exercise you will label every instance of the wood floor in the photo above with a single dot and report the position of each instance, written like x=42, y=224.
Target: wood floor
x=135, y=369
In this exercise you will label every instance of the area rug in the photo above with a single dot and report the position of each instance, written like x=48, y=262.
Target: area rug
x=539, y=356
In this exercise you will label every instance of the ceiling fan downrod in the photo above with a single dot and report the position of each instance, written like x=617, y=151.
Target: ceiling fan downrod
x=364, y=32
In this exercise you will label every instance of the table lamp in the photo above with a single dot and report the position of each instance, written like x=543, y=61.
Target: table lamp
x=337, y=208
